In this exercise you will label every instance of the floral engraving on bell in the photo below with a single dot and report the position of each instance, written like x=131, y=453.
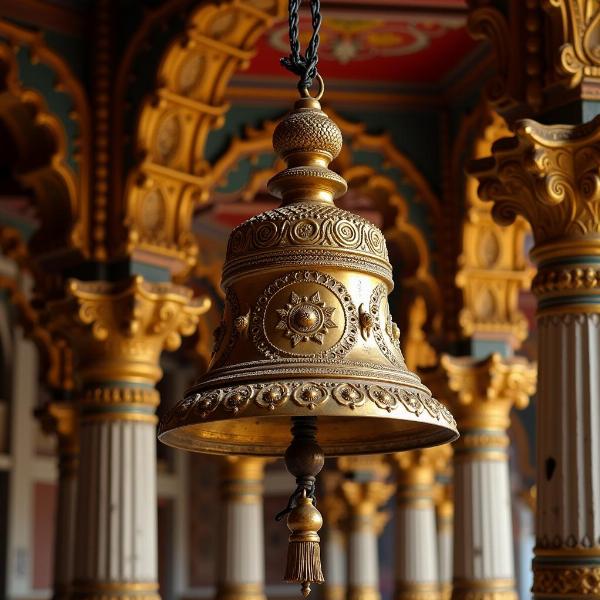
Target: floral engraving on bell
x=306, y=319
x=272, y=396
x=382, y=397
x=310, y=394
x=349, y=395
x=304, y=314
x=237, y=399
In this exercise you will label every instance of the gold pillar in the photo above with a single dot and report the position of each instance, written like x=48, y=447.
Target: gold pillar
x=241, y=562
x=417, y=572
x=60, y=418
x=117, y=332
x=365, y=497
x=549, y=175
x=486, y=391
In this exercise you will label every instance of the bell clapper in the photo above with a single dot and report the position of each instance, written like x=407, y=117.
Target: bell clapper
x=304, y=459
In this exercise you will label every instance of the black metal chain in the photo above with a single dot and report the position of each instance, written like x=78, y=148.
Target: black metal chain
x=303, y=66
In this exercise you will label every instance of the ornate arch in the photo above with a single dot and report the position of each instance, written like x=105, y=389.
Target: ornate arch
x=35, y=146
x=493, y=266
x=173, y=177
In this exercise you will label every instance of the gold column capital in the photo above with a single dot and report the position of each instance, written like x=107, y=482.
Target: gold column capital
x=419, y=467
x=486, y=390
x=549, y=175
x=372, y=467
x=242, y=478
x=333, y=505
x=366, y=498
x=444, y=503
x=246, y=468
x=119, y=329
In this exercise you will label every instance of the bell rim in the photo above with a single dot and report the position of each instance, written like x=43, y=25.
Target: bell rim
x=186, y=423
x=186, y=437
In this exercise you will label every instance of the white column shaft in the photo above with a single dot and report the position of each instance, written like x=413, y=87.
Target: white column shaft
x=416, y=545
x=117, y=505
x=363, y=562
x=568, y=432
x=334, y=558
x=483, y=540
x=445, y=553
x=244, y=543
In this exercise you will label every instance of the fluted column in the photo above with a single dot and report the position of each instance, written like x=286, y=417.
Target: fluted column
x=118, y=332
x=417, y=576
x=241, y=562
x=366, y=522
x=486, y=391
x=60, y=418
x=334, y=543
x=550, y=175
x=445, y=536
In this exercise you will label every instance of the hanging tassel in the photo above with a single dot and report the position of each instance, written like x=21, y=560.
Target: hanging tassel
x=304, y=553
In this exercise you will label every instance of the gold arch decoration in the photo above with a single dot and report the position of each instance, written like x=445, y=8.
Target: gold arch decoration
x=493, y=267
x=173, y=178
x=421, y=297
x=35, y=147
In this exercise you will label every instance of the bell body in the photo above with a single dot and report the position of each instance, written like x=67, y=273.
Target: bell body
x=306, y=329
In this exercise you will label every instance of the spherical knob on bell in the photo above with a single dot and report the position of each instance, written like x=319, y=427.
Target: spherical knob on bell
x=307, y=129
x=308, y=140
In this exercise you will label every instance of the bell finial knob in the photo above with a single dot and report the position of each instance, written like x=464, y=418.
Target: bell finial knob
x=307, y=140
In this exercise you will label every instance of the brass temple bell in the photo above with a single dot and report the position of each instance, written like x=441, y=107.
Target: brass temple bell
x=306, y=329
x=307, y=339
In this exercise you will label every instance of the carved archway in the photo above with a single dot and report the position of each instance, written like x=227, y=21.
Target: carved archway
x=173, y=177
x=493, y=267
x=34, y=148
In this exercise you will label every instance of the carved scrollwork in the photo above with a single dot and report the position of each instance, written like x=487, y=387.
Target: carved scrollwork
x=549, y=175
x=567, y=581
x=311, y=395
x=307, y=225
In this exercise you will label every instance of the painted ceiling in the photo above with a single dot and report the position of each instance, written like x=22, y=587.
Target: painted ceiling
x=408, y=47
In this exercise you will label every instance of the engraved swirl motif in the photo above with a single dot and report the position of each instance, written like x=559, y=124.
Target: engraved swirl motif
x=338, y=350
x=307, y=224
x=386, y=344
x=306, y=394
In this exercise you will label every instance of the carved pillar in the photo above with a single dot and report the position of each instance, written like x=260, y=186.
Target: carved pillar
x=366, y=522
x=417, y=576
x=241, y=573
x=550, y=175
x=445, y=528
x=334, y=544
x=483, y=550
x=60, y=418
x=117, y=332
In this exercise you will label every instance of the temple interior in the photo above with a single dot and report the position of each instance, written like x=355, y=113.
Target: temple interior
x=136, y=136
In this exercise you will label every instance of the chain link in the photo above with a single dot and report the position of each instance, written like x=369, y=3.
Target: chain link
x=303, y=66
